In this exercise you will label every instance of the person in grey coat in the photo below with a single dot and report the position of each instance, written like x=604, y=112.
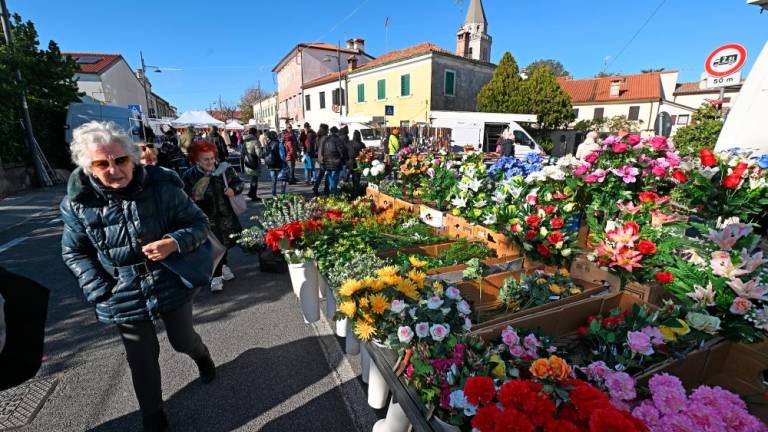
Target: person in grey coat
x=121, y=220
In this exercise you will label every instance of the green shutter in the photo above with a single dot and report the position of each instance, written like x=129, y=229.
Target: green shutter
x=450, y=78
x=360, y=93
x=381, y=86
x=405, y=85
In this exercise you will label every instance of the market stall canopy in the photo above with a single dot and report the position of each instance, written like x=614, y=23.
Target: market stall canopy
x=196, y=119
x=234, y=125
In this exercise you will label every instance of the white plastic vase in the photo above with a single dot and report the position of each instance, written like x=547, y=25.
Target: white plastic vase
x=322, y=284
x=352, y=345
x=378, y=390
x=395, y=421
x=304, y=281
x=365, y=363
x=444, y=426
x=330, y=299
x=341, y=328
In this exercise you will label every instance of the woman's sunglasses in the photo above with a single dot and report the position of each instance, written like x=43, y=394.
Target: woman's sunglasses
x=104, y=164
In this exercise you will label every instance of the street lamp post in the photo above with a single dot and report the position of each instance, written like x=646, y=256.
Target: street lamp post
x=144, y=80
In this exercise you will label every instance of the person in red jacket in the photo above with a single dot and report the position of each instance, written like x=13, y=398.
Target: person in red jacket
x=291, y=144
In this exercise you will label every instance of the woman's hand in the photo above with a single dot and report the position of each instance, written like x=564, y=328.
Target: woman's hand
x=229, y=192
x=159, y=250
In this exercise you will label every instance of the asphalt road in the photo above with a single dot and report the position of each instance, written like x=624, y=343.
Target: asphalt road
x=275, y=373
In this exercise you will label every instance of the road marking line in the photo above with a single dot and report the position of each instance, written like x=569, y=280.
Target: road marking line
x=11, y=244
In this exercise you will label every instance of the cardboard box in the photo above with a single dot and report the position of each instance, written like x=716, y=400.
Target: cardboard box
x=402, y=205
x=652, y=293
x=583, y=269
x=455, y=274
x=453, y=225
x=385, y=201
x=503, y=245
x=431, y=216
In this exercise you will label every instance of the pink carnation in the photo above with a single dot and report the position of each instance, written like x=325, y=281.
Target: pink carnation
x=621, y=386
x=634, y=139
x=668, y=393
x=591, y=158
x=619, y=148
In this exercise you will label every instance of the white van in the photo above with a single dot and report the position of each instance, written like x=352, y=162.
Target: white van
x=482, y=130
x=372, y=133
x=81, y=113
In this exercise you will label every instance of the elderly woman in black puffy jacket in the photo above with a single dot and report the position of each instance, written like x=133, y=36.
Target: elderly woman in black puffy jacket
x=121, y=220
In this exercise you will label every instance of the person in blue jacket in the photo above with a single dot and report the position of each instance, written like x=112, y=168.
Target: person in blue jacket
x=275, y=160
x=121, y=220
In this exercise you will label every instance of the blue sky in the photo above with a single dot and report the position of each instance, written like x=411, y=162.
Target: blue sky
x=224, y=51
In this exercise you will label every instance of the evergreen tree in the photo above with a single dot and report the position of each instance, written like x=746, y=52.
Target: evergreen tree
x=503, y=93
x=555, y=66
x=703, y=134
x=545, y=98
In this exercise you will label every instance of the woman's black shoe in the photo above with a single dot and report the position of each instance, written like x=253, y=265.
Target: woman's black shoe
x=207, y=369
x=156, y=422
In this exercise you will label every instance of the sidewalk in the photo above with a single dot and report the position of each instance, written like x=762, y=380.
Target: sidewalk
x=21, y=208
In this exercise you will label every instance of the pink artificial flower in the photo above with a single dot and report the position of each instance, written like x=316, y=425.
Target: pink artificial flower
x=627, y=173
x=619, y=147
x=752, y=262
x=582, y=169
x=750, y=290
x=729, y=235
x=510, y=337
x=621, y=386
x=622, y=237
x=640, y=343
x=630, y=207
x=590, y=178
x=591, y=158
x=647, y=413
x=634, y=139
x=531, y=199
x=668, y=393
x=723, y=266
x=673, y=159
x=597, y=370
x=655, y=334
x=659, y=171
x=531, y=342
x=517, y=351
x=658, y=143
x=740, y=306
x=659, y=218
x=627, y=258
x=611, y=140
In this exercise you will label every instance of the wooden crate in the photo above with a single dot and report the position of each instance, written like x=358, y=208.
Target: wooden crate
x=453, y=225
x=405, y=206
x=372, y=192
x=385, y=201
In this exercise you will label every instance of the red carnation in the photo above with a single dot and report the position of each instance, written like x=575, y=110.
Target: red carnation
x=333, y=214
x=648, y=197
x=560, y=426
x=731, y=181
x=533, y=220
x=679, y=176
x=530, y=235
x=633, y=226
x=555, y=237
x=511, y=420
x=543, y=250
x=707, y=158
x=612, y=420
x=485, y=418
x=557, y=223
x=479, y=390
x=646, y=247
x=664, y=277
x=550, y=209
x=586, y=399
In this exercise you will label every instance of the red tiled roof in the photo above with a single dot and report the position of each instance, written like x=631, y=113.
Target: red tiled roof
x=326, y=46
x=645, y=86
x=402, y=54
x=325, y=79
x=97, y=67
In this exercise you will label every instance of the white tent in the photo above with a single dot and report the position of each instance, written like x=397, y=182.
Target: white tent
x=196, y=119
x=234, y=125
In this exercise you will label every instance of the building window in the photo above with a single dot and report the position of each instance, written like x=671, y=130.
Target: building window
x=575, y=113
x=360, y=93
x=322, y=100
x=335, y=97
x=598, y=114
x=306, y=103
x=450, y=83
x=615, y=88
x=381, y=89
x=634, y=113
x=405, y=85
x=682, y=119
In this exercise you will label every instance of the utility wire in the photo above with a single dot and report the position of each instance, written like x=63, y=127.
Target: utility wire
x=335, y=26
x=648, y=20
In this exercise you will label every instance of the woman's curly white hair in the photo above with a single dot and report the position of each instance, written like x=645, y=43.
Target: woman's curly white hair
x=96, y=134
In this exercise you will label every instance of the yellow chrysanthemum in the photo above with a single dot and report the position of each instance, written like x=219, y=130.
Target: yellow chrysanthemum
x=416, y=262
x=408, y=288
x=379, y=303
x=438, y=287
x=387, y=271
x=348, y=308
x=418, y=277
x=500, y=370
x=377, y=285
x=363, y=303
x=364, y=330
x=391, y=280
x=350, y=287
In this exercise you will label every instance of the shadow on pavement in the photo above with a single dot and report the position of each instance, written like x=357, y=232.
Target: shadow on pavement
x=248, y=386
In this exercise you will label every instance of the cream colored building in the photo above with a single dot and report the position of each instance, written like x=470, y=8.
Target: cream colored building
x=265, y=112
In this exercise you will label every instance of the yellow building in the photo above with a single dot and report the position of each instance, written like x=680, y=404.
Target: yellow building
x=415, y=81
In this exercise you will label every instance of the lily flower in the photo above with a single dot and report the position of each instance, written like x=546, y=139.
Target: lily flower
x=459, y=202
x=628, y=259
x=723, y=266
x=703, y=296
x=629, y=207
x=752, y=262
x=751, y=289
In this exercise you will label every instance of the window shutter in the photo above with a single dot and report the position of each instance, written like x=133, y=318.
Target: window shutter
x=405, y=85
x=598, y=113
x=450, y=80
x=322, y=100
x=360, y=93
x=382, y=89
x=306, y=102
x=634, y=113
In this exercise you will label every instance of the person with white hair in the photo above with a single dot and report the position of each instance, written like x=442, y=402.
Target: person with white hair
x=121, y=221
x=589, y=145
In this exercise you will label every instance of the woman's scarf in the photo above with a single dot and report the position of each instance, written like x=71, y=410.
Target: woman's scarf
x=201, y=186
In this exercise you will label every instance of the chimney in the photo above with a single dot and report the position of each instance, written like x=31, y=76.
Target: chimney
x=350, y=43
x=351, y=63
x=358, y=45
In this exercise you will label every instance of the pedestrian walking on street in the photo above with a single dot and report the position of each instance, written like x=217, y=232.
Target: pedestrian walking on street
x=211, y=185
x=170, y=155
x=343, y=135
x=274, y=159
x=121, y=220
x=356, y=147
x=221, y=147
x=291, y=144
x=589, y=145
x=252, y=153
x=320, y=175
x=333, y=159
x=310, y=153
x=148, y=154
x=394, y=143
x=187, y=138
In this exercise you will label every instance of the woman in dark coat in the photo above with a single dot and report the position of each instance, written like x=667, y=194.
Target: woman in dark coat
x=210, y=185
x=121, y=220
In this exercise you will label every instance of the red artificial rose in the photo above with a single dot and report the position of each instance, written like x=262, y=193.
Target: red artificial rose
x=557, y=223
x=555, y=237
x=632, y=226
x=648, y=197
x=511, y=420
x=707, y=158
x=479, y=390
x=274, y=237
x=739, y=169
x=530, y=235
x=609, y=322
x=543, y=250
x=611, y=420
x=533, y=220
x=559, y=196
x=583, y=331
x=732, y=181
x=485, y=418
x=550, y=209
x=333, y=214
x=560, y=426
x=679, y=176
x=646, y=247
x=664, y=277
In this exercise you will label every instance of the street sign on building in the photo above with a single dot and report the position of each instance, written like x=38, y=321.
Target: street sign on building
x=389, y=110
x=136, y=108
x=723, y=65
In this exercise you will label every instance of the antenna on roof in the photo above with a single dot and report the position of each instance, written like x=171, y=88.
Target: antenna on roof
x=386, y=34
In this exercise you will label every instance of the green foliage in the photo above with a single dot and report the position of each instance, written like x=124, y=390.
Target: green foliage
x=458, y=253
x=554, y=66
x=703, y=134
x=545, y=98
x=503, y=93
x=50, y=85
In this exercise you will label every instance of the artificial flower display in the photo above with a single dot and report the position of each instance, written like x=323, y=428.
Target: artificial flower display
x=536, y=289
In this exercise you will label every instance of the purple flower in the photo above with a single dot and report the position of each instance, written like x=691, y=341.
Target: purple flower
x=627, y=173
x=648, y=413
x=597, y=370
x=718, y=398
x=678, y=422
x=655, y=334
x=640, y=343
x=621, y=386
x=668, y=393
x=517, y=351
x=531, y=342
x=705, y=418
x=611, y=140
x=509, y=337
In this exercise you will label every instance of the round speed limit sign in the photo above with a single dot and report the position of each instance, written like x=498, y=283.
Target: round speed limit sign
x=726, y=60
